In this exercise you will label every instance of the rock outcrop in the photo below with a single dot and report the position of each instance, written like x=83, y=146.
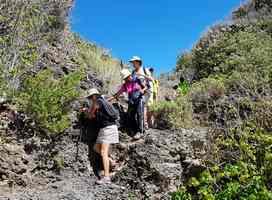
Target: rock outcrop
x=44, y=168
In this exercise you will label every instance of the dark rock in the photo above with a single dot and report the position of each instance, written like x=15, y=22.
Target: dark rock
x=153, y=167
x=192, y=168
x=150, y=168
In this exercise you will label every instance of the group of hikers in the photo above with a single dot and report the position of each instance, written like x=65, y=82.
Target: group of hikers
x=142, y=89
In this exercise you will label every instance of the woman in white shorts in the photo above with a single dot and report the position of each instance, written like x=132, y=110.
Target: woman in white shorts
x=108, y=133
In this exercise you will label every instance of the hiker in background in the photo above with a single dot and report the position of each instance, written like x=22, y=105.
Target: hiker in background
x=135, y=88
x=106, y=117
x=151, y=100
x=156, y=86
x=145, y=76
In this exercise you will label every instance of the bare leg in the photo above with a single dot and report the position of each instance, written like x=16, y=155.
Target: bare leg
x=146, y=117
x=97, y=148
x=105, y=158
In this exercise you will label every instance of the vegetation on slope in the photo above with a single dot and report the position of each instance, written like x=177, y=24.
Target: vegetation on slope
x=43, y=65
x=231, y=92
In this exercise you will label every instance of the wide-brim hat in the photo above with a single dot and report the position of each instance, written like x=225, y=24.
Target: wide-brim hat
x=92, y=92
x=125, y=73
x=135, y=58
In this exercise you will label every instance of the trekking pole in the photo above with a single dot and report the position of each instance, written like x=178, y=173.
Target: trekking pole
x=78, y=141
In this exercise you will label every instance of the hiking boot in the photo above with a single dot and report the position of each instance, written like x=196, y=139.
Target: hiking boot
x=137, y=136
x=104, y=180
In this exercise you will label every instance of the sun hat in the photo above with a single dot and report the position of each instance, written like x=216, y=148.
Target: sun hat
x=92, y=92
x=135, y=58
x=125, y=73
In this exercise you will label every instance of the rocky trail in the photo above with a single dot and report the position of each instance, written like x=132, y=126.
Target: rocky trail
x=150, y=168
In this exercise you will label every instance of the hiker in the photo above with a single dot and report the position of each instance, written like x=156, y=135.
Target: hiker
x=156, y=86
x=135, y=88
x=153, y=97
x=105, y=116
x=145, y=76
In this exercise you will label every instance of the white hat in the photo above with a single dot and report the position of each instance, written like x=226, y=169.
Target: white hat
x=125, y=73
x=91, y=92
x=135, y=58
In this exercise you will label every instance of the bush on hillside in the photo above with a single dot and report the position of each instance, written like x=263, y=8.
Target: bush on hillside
x=161, y=111
x=243, y=51
x=242, y=171
x=28, y=28
x=40, y=60
x=46, y=99
x=173, y=114
x=231, y=93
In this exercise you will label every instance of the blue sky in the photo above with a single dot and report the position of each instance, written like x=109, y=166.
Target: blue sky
x=156, y=30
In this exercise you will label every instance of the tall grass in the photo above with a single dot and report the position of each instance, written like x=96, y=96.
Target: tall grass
x=99, y=60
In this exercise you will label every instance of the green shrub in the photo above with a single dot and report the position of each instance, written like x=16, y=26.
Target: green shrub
x=183, y=88
x=183, y=114
x=173, y=114
x=58, y=162
x=162, y=111
x=262, y=114
x=248, y=177
x=181, y=194
x=247, y=50
x=46, y=99
x=208, y=90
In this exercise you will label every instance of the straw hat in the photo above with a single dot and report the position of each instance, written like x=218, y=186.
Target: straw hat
x=91, y=92
x=125, y=73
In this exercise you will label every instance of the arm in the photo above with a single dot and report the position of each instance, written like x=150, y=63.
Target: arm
x=150, y=78
x=143, y=86
x=118, y=94
x=92, y=111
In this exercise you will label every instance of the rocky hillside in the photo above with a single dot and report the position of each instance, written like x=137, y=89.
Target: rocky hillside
x=45, y=68
x=231, y=92
x=41, y=168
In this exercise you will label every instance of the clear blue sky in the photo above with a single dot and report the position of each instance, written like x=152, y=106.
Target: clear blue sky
x=156, y=30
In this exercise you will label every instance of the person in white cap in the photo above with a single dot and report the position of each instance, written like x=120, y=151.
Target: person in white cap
x=106, y=117
x=135, y=90
x=145, y=76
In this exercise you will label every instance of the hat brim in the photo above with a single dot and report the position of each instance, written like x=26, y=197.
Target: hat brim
x=132, y=60
x=89, y=95
x=124, y=78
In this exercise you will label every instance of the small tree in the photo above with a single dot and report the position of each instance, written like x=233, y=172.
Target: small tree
x=46, y=99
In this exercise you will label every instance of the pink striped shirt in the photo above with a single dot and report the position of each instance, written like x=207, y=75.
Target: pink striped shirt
x=130, y=87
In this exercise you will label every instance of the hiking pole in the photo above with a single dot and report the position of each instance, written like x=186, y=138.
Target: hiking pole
x=78, y=141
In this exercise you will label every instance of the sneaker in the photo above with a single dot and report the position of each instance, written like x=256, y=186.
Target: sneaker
x=137, y=136
x=104, y=180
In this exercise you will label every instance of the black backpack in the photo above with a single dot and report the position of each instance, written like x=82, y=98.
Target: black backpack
x=107, y=110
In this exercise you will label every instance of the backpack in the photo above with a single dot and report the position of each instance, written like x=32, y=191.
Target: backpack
x=135, y=96
x=107, y=110
x=148, y=82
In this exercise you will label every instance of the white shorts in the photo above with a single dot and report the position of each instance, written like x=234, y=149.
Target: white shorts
x=108, y=135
